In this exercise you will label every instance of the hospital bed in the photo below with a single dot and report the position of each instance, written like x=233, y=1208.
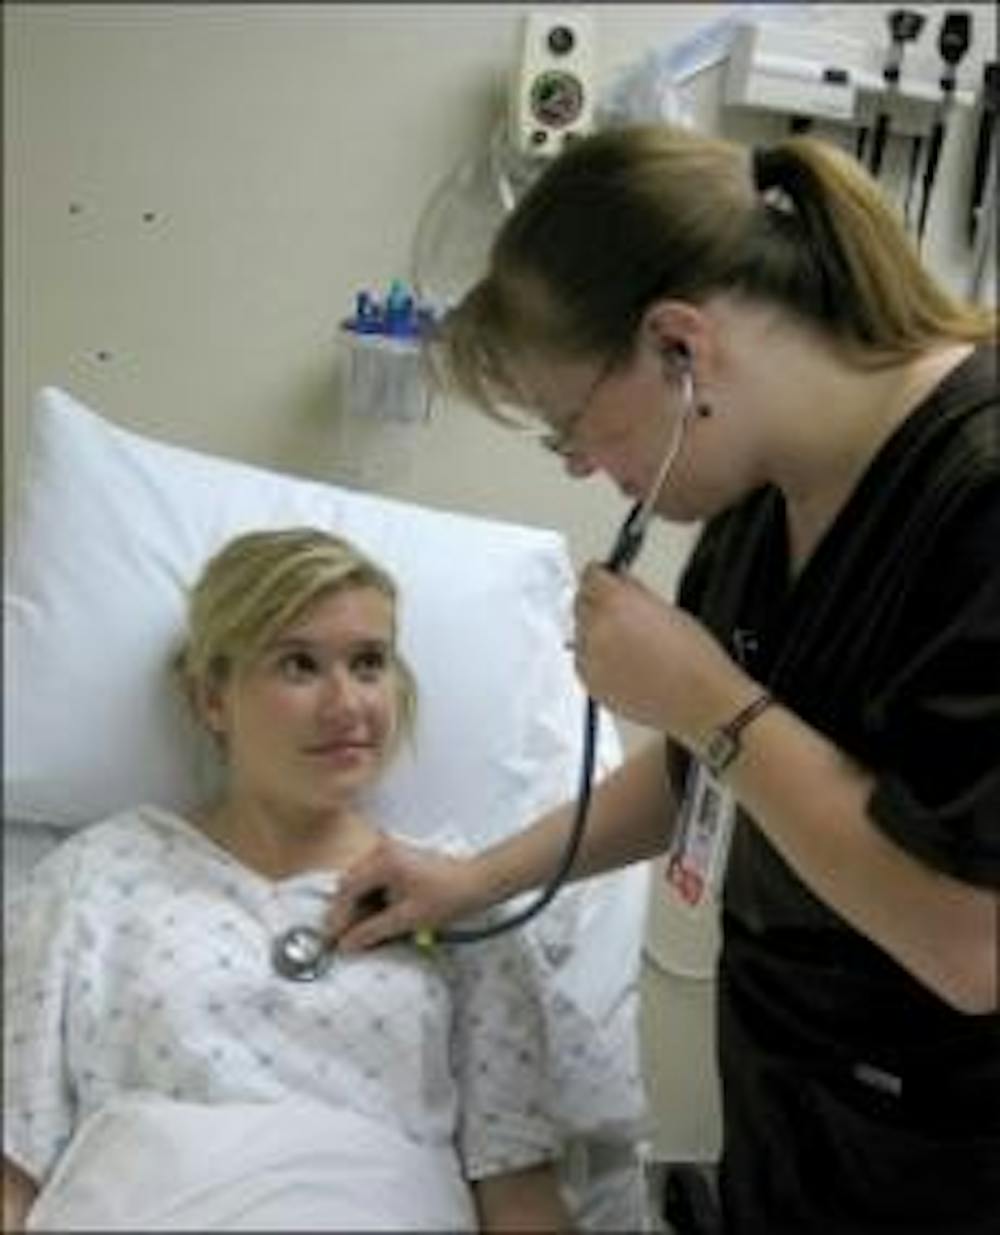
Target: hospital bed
x=112, y=527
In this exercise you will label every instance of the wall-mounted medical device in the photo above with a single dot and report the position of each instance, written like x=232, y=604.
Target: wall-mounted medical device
x=904, y=27
x=383, y=367
x=554, y=87
x=550, y=100
x=953, y=43
x=984, y=159
x=384, y=395
x=982, y=216
x=870, y=88
x=775, y=68
x=790, y=69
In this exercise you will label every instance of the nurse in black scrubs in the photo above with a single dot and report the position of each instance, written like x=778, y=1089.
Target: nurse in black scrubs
x=833, y=657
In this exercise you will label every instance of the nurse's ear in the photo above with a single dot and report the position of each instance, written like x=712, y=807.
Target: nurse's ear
x=676, y=330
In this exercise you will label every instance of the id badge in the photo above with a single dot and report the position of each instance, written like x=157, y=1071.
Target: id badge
x=696, y=862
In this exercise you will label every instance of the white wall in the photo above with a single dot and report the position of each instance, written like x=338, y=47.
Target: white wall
x=193, y=194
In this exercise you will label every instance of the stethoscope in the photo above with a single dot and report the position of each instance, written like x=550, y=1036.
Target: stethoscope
x=303, y=953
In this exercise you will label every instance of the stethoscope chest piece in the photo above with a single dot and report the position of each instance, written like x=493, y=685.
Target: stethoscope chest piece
x=301, y=954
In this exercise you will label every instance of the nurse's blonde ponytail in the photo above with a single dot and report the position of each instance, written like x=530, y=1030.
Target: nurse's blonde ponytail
x=636, y=214
x=829, y=246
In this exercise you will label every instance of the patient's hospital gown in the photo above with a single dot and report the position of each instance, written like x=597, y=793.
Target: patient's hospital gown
x=138, y=961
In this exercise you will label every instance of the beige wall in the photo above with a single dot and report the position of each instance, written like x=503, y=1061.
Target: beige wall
x=193, y=195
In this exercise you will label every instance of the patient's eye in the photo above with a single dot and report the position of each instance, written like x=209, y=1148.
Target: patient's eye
x=370, y=662
x=298, y=665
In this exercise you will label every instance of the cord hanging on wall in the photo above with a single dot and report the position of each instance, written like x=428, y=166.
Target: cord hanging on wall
x=453, y=235
x=550, y=101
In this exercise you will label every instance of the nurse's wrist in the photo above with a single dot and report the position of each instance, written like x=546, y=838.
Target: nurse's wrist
x=720, y=745
x=719, y=700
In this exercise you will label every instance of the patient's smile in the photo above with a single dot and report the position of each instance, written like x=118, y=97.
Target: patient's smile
x=346, y=753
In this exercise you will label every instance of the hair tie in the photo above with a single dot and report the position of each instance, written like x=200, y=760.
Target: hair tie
x=764, y=165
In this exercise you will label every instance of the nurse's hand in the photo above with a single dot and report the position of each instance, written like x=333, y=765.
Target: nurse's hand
x=651, y=662
x=413, y=888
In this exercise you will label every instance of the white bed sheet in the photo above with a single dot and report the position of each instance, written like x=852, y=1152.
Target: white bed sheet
x=145, y=1163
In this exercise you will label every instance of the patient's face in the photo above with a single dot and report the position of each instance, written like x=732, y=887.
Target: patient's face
x=311, y=721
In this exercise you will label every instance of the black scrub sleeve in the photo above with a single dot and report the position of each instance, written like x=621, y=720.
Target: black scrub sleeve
x=936, y=725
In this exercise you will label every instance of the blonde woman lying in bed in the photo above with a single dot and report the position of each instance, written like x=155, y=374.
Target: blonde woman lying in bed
x=159, y=1072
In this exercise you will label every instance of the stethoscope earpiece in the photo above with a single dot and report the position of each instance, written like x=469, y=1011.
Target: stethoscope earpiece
x=687, y=380
x=678, y=357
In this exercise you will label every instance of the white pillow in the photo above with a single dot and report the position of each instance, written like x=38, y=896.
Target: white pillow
x=113, y=528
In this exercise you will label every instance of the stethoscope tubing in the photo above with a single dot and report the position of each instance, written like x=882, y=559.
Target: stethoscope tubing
x=475, y=934
x=626, y=547
x=294, y=953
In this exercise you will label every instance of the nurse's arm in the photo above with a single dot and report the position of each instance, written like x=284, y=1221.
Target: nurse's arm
x=19, y=1192
x=631, y=817
x=810, y=801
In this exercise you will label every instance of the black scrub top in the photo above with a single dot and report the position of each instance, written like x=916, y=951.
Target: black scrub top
x=855, y=1101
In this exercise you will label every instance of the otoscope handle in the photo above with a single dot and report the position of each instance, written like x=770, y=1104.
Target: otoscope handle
x=930, y=175
x=990, y=106
x=916, y=149
x=878, y=145
x=628, y=542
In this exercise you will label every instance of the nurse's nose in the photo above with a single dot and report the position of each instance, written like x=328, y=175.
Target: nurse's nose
x=578, y=464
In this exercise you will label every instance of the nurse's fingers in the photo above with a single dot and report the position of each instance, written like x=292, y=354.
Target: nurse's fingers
x=374, y=929
x=596, y=580
x=403, y=888
x=365, y=896
x=589, y=581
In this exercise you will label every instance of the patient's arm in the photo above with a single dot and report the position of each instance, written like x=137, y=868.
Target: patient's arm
x=525, y=1200
x=19, y=1192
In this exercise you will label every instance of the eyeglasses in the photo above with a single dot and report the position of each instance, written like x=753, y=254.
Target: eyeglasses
x=560, y=441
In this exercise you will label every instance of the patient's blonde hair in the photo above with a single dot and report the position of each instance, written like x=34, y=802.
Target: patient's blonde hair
x=257, y=586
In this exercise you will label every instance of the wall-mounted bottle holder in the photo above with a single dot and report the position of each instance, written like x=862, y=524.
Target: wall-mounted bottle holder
x=384, y=373
x=384, y=379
